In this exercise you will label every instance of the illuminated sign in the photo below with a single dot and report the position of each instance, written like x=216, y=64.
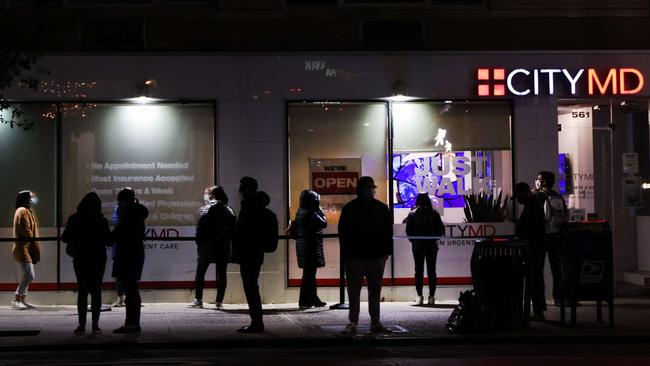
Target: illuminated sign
x=496, y=82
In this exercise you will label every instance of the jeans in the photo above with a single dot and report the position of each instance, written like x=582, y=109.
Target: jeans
x=554, y=242
x=373, y=271
x=89, y=281
x=308, y=293
x=538, y=251
x=132, y=301
x=27, y=277
x=222, y=279
x=428, y=252
x=250, y=273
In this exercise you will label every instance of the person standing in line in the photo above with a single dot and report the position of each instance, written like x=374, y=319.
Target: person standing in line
x=119, y=287
x=365, y=233
x=214, y=233
x=423, y=220
x=532, y=227
x=129, y=255
x=87, y=235
x=255, y=226
x=27, y=252
x=308, y=226
x=556, y=215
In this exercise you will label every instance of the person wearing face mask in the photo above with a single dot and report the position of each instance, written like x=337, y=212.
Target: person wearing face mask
x=365, y=234
x=532, y=228
x=214, y=233
x=27, y=252
x=555, y=215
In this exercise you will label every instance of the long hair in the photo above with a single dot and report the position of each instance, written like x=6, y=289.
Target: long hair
x=90, y=204
x=23, y=198
x=422, y=200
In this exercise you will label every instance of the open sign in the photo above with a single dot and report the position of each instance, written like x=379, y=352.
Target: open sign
x=334, y=182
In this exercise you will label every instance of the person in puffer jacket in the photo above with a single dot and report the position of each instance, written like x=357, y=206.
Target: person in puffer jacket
x=309, y=224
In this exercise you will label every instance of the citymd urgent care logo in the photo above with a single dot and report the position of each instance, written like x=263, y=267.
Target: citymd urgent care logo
x=498, y=82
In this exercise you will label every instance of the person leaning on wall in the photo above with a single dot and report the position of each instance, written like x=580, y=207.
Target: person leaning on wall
x=129, y=255
x=27, y=252
x=87, y=235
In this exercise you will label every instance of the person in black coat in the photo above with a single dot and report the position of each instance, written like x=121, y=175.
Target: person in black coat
x=423, y=220
x=129, y=255
x=365, y=233
x=87, y=235
x=214, y=233
x=310, y=222
x=531, y=226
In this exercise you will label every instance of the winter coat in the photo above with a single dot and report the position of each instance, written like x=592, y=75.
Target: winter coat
x=365, y=230
x=129, y=240
x=532, y=224
x=310, y=221
x=419, y=222
x=255, y=221
x=214, y=232
x=26, y=226
x=88, y=238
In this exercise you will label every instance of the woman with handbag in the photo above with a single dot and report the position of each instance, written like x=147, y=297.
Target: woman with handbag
x=86, y=236
x=26, y=251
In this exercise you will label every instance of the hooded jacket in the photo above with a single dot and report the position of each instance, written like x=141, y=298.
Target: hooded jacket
x=214, y=232
x=422, y=222
x=310, y=221
x=129, y=240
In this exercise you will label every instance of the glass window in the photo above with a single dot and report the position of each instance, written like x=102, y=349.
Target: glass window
x=457, y=152
x=330, y=146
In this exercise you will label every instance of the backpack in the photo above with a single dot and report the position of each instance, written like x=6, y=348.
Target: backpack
x=555, y=212
x=468, y=316
x=269, y=231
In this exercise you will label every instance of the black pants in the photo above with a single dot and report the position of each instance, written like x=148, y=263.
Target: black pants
x=250, y=273
x=308, y=292
x=554, y=242
x=132, y=301
x=428, y=252
x=538, y=252
x=222, y=279
x=89, y=281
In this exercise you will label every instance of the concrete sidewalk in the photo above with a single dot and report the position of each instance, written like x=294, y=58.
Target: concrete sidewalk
x=167, y=324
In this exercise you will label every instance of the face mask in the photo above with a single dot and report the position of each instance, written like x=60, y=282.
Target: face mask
x=538, y=184
x=206, y=198
x=34, y=201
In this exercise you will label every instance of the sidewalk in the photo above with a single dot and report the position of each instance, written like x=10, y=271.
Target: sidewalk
x=166, y=325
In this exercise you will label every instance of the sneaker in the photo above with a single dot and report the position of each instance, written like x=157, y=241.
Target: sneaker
x=29, y=305
x=379, y=328
x=197, y=303
x=350, y=329
x=431, y=300
x=259, y=328
x=218, y=306
x=119, y=302
x=126, y=329
x=419, y=300
x=17, y=305
x=320, y=304
x=305, y=306
x=81, y=330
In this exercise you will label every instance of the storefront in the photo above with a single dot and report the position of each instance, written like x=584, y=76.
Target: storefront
x=459, y=126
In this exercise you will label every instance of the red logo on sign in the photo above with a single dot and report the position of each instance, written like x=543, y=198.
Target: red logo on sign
x=334, y=182
x=491, y=82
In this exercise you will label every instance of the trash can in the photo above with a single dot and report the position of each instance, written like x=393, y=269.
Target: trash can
x=586, y=267
x=499, y=271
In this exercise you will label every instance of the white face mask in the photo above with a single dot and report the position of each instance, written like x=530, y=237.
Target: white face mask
x=538, y=184
x=206, y=198
x=34, y=201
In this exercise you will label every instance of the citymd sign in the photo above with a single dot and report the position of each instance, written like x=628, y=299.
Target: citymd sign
x=615, y=81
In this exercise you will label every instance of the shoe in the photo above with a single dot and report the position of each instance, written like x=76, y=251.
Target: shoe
x=251, y=329
x=419, y=300
x=119, y=302
x=81, y=330
x=197, y=303
x=431, y=300
x=379, y=328
x=350, y=328
x=305, y=306
x=29, y=305
x=17, y=305
x=126, y=329
x=537, y=317
x=218, y=306
x=96, y=330
x=320, y=304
